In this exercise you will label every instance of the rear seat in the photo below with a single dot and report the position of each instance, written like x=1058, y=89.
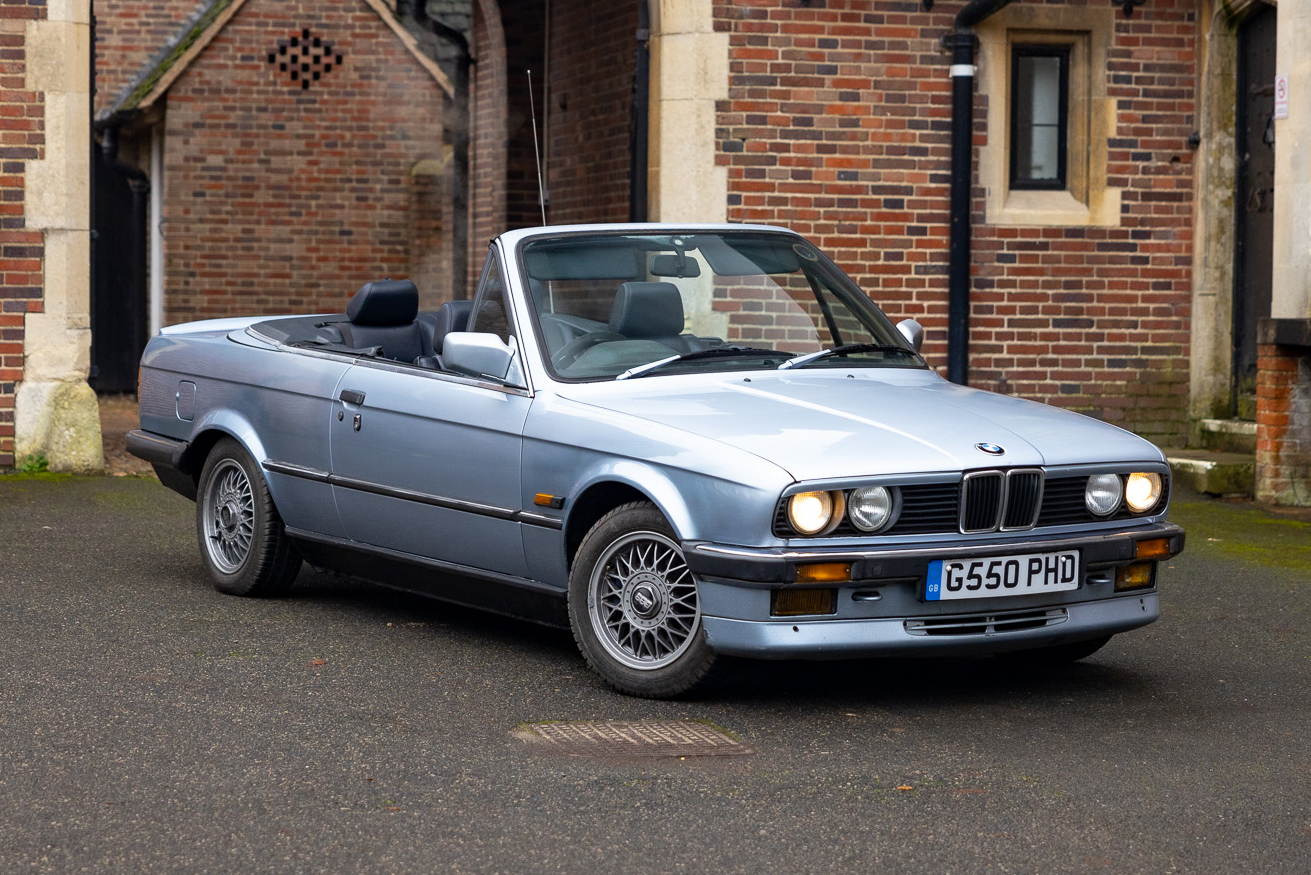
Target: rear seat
x=383, y=314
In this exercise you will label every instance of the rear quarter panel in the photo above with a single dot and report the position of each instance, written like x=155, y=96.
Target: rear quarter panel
x=276, y=402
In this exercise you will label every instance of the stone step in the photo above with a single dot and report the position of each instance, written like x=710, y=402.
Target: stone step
x=1228, y=435
x=1214, y=472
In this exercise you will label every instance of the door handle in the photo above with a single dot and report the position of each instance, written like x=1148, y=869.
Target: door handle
x=350, y=396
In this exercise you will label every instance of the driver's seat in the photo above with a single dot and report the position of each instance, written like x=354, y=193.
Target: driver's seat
x=651, y=311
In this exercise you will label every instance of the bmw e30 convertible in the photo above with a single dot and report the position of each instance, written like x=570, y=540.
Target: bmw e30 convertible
x=680, y=441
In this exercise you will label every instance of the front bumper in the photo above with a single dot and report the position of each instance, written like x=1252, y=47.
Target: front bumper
x=881, y=610
x=962, y=634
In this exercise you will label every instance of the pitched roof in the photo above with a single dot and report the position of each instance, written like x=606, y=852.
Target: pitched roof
x=154, y=82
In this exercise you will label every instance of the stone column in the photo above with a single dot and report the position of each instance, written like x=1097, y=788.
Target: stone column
x=1283, y=399
x=55, y=411
x=689, y=73
x=1291, y=289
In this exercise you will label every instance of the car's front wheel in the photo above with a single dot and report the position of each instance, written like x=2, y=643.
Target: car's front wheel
x=242, y=541
x=634, y=606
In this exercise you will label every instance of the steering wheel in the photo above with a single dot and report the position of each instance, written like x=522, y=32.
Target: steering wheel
x=566, y=355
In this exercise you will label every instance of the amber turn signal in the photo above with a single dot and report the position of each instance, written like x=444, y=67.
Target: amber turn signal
x=795, y=602
x=1156, y=548
x=824, y=572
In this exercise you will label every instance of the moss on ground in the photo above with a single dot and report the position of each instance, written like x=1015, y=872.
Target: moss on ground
x=1246, y=532
x=37, y=477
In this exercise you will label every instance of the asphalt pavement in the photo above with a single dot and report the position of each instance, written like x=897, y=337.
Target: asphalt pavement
x=149, y=724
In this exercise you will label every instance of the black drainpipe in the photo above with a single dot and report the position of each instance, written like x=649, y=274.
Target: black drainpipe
x=637, y=171
x=962, y=42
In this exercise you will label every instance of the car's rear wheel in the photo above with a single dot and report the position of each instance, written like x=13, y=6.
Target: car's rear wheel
x=634, y=606
x=241, y=537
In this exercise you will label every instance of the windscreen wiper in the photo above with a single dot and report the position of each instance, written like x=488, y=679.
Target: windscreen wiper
x=713, y=352
x=803, y=360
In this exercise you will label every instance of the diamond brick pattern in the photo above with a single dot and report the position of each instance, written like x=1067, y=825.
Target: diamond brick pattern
x=304, y=58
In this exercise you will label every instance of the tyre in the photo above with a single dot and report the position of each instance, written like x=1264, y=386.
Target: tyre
x=634, y=607
x=1058, y=654
x=241, y=537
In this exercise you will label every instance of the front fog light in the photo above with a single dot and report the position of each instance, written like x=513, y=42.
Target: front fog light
x=1102, y=494
x=798, y=602
x=870, y=509
x=1137, y=576
x=811, y=513
x=1142, y=491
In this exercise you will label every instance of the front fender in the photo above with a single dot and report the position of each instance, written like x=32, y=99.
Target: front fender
x=706, y=489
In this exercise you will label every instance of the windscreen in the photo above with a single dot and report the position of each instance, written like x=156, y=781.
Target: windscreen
x=608, y=304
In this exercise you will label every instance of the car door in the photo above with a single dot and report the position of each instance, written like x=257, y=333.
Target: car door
x=428, y=463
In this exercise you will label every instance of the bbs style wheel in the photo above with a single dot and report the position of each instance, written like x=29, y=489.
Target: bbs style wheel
x=634, y=606
x=239, y=531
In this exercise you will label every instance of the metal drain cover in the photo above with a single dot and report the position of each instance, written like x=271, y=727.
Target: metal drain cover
x=640, y=738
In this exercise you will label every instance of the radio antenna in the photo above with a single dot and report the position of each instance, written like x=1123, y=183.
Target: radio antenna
x=541, y=186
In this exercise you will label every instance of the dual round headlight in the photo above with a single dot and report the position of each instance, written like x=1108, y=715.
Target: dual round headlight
x=812, y=513
x=869, y=509
x=1140, y=491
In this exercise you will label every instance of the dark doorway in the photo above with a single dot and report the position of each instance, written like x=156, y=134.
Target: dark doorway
x=119, y=275
x=1254, y=203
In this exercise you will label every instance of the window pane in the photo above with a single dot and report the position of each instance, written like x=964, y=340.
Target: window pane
x=1043, y=76
x=490, y=315
x=1038, y=117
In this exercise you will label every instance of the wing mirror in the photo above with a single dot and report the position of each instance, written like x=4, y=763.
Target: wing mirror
x=486, y=356
x=912, y=331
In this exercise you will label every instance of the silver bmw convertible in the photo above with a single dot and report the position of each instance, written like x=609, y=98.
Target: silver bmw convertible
x=680, y=441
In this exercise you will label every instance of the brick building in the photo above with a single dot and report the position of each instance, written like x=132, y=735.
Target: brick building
x=293, y=151
x=835, y=118
x=1131, y=278
x=1105, y=244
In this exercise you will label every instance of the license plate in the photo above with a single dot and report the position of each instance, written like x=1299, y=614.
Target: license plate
x=1002, y=576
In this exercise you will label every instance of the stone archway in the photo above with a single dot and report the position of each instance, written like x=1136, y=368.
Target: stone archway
x=56, y=417
x=1211, y=359
x=584, y=58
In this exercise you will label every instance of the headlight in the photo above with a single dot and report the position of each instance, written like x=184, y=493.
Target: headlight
x=813, y=513
x=1102, y=494
x=1142, y=491
x=871, y=509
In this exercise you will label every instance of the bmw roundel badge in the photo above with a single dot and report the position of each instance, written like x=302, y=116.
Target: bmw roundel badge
x=990, y=449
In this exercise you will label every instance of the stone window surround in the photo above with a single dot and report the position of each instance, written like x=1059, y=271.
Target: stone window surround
x=1086, y=200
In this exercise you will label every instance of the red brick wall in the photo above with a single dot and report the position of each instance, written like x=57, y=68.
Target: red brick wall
x=130, y=34
x=22, y=139
x=593, y=54
x=838, y=124
x=582, y=116
x=281, y=198
x=524, y=50
x=1283, y=425
x=488, y=140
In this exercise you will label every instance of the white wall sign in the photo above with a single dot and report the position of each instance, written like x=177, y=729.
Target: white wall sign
x=1281, y=97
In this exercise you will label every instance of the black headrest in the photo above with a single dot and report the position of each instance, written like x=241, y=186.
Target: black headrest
x=453, y=316
x=384, y=302
x=647, y=310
